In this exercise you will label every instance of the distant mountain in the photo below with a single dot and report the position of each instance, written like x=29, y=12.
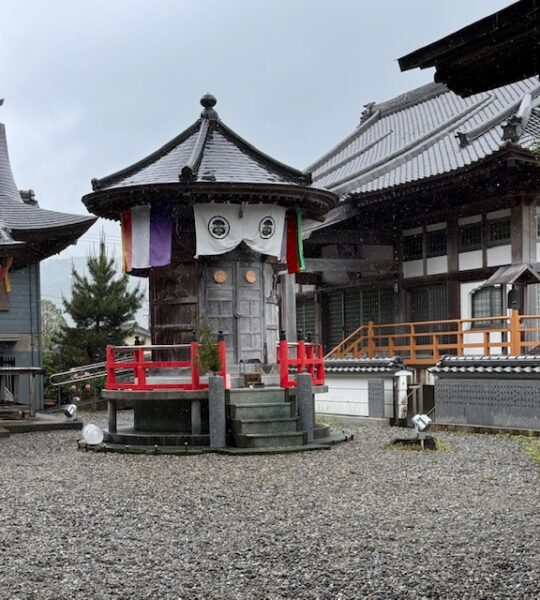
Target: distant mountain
x=56, y=283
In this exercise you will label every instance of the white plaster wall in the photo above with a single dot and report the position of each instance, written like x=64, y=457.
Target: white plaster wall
x=389, y=398
x=437, y=264
x=413, y=268
x=348, y=395
x=470, y=260
x=500, y=255
x=466, y=290
x=538, y=251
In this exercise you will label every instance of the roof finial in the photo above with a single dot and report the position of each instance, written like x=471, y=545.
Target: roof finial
x=209, y=101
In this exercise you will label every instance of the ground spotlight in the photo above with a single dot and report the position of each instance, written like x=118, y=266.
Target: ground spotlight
x=422, y=423
x=92, y=434
x=70, y=410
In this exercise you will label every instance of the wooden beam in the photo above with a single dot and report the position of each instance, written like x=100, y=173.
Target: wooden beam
x=346, y=236
x=348, y=265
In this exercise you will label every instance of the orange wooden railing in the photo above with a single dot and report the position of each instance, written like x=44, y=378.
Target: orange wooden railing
x=424, y=342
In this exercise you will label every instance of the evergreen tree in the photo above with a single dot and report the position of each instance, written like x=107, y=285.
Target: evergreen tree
x=52, y=322
x=100, y=304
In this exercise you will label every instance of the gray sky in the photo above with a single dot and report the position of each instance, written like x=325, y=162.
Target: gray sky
x=93, y=85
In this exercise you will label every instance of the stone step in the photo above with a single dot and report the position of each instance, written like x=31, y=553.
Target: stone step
x=265, y=440
x=264, y=426
x=259, y=410
x=320, y=431
x=256, y=395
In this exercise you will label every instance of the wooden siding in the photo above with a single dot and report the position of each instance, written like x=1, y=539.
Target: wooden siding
x=23, y=315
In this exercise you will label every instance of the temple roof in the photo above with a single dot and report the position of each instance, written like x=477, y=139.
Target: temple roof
x=205, y=157
x=429, y=132
x=27, y=232
x=497, y=50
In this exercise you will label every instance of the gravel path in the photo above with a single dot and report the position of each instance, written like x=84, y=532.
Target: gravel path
x=358, y=521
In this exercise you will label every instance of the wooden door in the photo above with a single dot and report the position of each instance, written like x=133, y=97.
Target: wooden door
x=233, y=302
x=174, y=303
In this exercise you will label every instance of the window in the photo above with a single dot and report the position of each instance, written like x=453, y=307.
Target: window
x=305, y=316
x=436, y=243
x=470, y=237
x=498, y=232
x=487, y=302
x=412, y=247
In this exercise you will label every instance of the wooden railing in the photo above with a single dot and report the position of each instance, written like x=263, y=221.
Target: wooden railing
x=424, y=342
x=136, y=361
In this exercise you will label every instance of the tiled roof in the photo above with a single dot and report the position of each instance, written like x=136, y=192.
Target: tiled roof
x=363, y=365
x=424, y=133
x=524, y=365
x=208, y=151
x=20, y=220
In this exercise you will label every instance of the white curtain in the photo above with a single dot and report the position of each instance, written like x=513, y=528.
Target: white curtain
x=220, y=228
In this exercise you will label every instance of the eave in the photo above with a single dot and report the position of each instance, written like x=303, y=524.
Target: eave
x=497, y=50
x=110, y=203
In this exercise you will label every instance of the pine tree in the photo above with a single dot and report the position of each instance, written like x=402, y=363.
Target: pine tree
x=100, y=304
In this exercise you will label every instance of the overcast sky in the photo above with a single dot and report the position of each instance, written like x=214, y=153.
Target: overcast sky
x=91, y=86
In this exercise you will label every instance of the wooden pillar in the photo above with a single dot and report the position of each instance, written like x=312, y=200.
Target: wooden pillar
x=524, y=231
x=287, y=313
x=452, y=250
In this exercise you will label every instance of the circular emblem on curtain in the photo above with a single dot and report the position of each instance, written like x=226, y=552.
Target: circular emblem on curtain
x=218, y=227
x=267, y=227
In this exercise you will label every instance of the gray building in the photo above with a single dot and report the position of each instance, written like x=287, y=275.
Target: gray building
x=28, y=234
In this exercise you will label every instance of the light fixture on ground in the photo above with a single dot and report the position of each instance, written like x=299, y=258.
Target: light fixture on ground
x=422, y=424
x=92, y=434
x=70, y=410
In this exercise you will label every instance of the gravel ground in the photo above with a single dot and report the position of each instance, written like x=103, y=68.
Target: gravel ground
x=358, y=521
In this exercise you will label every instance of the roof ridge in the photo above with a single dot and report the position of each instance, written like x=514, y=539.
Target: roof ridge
x=8, y=186
x=97, y=184
x=471, y=135
x=354, y=155
x=189, y=171
x=303, y=176
x=411, y=98
x=361, y=128
x=412, y=149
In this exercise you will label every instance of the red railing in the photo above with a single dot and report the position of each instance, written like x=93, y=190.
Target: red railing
x=308, y=359
x=141, y=361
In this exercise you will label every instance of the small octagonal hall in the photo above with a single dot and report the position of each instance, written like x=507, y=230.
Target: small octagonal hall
x=216, y=225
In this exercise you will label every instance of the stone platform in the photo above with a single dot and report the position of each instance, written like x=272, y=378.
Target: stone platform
x=40, y=422
x=256, y=420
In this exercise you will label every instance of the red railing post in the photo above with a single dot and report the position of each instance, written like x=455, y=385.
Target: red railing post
x=222, y=352
x=109, y=359
x=320, y=365
x=283, y=359
x=140, y=368
x=301, y=352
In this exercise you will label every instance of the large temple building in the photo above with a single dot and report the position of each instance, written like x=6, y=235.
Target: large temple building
x=438, y=195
